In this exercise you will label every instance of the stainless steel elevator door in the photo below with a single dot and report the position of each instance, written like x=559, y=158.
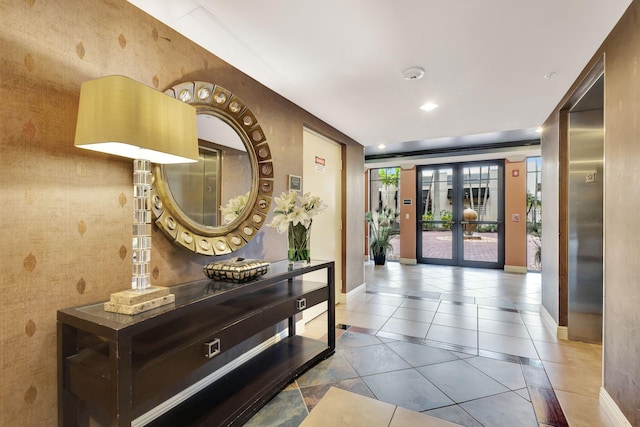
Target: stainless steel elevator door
x=585, y=269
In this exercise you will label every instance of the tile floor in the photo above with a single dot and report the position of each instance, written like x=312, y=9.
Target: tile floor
x=463, y=345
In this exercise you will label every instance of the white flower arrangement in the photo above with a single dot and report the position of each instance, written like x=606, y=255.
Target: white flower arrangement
x=290, y=208
x=234, y=208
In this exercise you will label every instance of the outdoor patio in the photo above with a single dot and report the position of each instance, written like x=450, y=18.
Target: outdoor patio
x=482, y=247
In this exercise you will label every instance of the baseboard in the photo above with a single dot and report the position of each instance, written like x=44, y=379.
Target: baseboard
x=548, y=320
x=611, y=409
x=344, y=298
x=515, y=269
x=408, y=261
x=563, y=333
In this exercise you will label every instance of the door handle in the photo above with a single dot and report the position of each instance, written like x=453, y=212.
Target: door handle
x=212, y=348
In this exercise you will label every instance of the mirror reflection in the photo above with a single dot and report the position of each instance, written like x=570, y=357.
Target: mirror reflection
x=217, y=206
x=222, y=173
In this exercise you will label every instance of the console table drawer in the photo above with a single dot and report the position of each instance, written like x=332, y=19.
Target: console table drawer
x=291, y=306
x=190, y=359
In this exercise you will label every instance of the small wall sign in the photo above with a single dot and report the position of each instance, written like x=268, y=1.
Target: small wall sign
x=295, y=183
x=407, y=201
x=320, y=164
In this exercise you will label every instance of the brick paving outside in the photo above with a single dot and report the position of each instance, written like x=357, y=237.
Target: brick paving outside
x=437, y=244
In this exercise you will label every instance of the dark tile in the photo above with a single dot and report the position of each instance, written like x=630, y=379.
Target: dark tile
x=535, y=377
x=546, y=406
x=286, y=409
x=373, y=359
x=350, y=339
x=420, y=355
x=328, y=371
x=506, y=373
x=502, y=410
x=472, y=351
x=390, y=336
x=406, y=388
x=499, y=356
x=460, y=381
x=461, y=354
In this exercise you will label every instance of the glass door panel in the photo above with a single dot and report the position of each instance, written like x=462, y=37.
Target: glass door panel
x=481, y=219
x=461, y=214
x=437, y=227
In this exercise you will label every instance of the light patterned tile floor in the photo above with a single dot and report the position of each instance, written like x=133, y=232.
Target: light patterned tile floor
x=462, y=345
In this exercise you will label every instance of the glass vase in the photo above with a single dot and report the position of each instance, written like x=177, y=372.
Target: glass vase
x=299, y=244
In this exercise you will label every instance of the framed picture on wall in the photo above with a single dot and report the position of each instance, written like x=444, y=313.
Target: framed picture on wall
x=295, y=183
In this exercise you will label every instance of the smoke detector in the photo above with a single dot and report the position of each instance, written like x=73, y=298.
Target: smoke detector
x=413, y=73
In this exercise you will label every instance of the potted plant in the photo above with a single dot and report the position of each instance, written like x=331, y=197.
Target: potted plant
x=380, y=221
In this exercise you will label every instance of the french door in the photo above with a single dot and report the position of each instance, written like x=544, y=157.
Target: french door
x=460, y=214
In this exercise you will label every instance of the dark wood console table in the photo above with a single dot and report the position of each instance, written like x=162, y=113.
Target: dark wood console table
x=114, y=368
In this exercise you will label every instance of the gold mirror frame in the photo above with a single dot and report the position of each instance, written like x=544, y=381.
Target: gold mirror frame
x=217, y=101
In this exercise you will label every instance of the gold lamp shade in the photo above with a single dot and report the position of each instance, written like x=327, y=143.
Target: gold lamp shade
x=118, y=115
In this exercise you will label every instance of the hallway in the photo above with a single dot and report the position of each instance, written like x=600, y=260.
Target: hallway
x=463, y=345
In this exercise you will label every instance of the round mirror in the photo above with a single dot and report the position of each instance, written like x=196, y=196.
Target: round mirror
x=217, y=205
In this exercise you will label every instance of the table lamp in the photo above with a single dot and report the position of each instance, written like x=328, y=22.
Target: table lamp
x=118, y=115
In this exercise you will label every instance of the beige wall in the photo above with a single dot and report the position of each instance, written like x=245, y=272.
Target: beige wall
x=353, y=207
x=408, y=224
x=515, y=203
x=66, y=213
x=621, y=340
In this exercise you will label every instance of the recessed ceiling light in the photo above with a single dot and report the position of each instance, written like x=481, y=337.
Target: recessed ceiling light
x=550, y=76
x=413, y=73
x=382, y=146
x=429, y=106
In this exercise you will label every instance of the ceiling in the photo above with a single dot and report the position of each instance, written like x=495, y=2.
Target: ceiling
x=497, y=68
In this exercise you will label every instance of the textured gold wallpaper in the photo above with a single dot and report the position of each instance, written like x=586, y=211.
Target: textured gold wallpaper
x=66, y=213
